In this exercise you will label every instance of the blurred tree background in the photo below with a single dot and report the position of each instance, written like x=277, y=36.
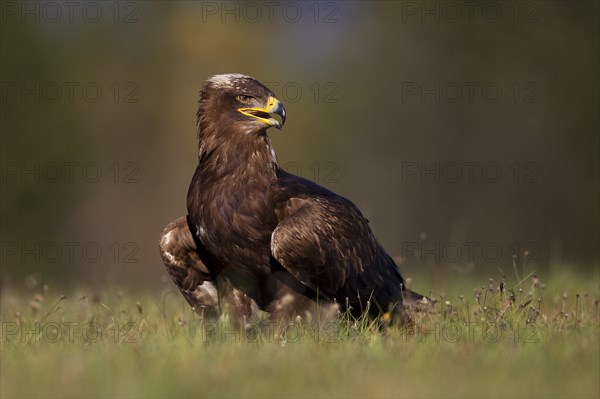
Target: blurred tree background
x=465, y=134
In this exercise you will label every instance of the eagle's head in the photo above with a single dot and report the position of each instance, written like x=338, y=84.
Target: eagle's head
x=238, y=103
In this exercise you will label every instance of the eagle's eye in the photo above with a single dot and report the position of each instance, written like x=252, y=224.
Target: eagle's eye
x=244, y=99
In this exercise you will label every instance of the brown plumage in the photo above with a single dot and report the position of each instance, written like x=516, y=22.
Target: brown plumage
x=257, y=237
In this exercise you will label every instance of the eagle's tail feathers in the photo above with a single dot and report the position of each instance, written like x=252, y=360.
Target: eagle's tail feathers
x=413, y=301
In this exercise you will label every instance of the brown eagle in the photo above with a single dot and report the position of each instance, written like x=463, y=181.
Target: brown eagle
x=259, y=238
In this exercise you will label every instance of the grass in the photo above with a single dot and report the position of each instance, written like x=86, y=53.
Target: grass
x=532, y=338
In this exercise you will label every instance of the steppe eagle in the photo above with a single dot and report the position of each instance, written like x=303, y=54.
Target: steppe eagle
x=259, y=238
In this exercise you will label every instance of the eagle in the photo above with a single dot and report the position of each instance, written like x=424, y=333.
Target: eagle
x=257, y=238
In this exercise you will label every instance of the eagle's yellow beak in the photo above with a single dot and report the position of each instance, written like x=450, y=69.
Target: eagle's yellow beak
x=266, y=114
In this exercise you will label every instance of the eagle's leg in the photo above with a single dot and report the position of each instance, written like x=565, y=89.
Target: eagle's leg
x=293, y=304
x=238, y=308
x=188, y=272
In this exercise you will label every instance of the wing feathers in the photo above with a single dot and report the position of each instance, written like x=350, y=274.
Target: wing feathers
x=327, y=244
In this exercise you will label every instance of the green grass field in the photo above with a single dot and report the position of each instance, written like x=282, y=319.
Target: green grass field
x=540, y=339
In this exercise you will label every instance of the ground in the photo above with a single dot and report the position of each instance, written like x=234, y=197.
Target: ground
x=542, y=343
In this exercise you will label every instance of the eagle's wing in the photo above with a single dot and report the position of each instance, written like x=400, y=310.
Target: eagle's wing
x=327, y=244
x=179, y=252
x=188, y=264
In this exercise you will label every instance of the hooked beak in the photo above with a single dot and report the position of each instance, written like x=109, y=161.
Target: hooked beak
x=267, y=114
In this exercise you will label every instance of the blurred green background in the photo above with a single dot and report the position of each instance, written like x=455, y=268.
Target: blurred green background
x=465, y=134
